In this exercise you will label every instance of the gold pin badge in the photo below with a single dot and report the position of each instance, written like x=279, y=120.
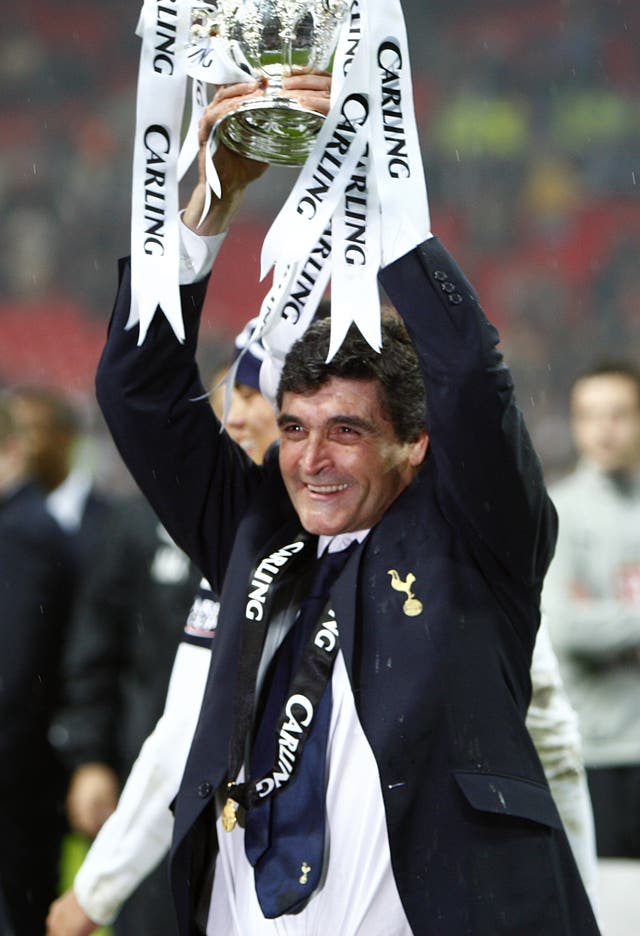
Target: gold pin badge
x=412, y=605
x=229, y=815
x=304, y=877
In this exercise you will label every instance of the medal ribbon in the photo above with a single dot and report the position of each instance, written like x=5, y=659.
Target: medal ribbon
x=296, y=719
x=307, y=581
x=268, y=572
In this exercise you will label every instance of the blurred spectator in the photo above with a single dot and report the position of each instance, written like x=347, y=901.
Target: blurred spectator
x=37, y=573
x=126, y=628
x=51, y=428
x=553, y=725
x=592, y=596
x=135, y=585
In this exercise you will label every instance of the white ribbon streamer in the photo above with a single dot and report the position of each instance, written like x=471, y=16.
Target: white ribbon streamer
x=155, y=257
x=289, y=307
x=211, y=175
x=190, y=146
x=395, y=144
x=357, y=256
x=374, y=190
x=314, y=197
x=356, y=222
x=217, y=62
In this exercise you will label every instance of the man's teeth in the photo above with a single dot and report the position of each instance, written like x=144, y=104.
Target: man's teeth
x=327, y=488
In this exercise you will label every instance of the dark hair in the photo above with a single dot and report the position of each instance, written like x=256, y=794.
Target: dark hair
x=611, y=368
x=396, y=369
x=61, y=413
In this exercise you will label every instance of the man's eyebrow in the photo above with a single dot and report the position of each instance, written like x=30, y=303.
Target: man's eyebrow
x=356, y=422
x=285, y=419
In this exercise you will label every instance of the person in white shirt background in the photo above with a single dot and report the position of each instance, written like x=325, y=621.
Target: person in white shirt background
x=592, y=594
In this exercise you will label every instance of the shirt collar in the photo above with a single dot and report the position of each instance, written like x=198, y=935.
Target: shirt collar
x=66, y=503
x=332, y=544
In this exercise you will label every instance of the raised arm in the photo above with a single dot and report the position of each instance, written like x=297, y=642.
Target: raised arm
x=197, y=479
x=488, y=473
x=156, y=406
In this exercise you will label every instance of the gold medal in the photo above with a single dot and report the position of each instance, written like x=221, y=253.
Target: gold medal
x=229, y=815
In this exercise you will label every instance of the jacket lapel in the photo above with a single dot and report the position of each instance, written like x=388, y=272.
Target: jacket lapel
x=387, y=540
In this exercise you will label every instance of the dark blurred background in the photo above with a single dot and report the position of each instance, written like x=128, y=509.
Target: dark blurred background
x=530, y=124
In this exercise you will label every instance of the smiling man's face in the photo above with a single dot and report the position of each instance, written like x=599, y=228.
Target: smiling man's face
x=340, y=457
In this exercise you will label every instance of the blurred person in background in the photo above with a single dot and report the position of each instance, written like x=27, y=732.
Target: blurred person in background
x=553, y=725
x=592, y=595
x=37, y=575
x=122, y=641
x=134, y=842
x=132, y=586
x=52, y=430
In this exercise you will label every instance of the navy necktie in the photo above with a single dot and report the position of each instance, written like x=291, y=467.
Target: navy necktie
x=284, y=835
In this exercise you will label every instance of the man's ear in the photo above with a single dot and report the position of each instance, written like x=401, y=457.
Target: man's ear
x=418, y=449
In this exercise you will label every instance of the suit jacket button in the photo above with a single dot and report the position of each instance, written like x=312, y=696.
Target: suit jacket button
x=439, y=275
x=204, y=790
x=454, y=298
x=448, y=287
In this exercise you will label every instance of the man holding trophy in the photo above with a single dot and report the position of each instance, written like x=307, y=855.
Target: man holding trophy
x=361, y=764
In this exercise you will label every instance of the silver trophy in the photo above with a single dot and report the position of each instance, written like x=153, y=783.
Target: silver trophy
x=272, y=37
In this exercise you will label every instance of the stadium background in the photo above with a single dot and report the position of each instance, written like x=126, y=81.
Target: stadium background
x=530, y=125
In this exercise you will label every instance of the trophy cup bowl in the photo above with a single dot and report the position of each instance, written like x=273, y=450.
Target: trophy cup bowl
x=271, y=38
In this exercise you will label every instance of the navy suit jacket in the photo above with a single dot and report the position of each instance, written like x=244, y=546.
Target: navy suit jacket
x=477, y=846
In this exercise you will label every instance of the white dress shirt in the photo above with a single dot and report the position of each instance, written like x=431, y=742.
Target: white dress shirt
x=357, y=894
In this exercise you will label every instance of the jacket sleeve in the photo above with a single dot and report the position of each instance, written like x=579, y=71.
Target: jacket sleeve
x=488, y=473
x=197, y=479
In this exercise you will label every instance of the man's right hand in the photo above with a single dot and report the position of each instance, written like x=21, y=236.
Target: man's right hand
x=310, y=89
x=234, y=171
x=67, y=918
